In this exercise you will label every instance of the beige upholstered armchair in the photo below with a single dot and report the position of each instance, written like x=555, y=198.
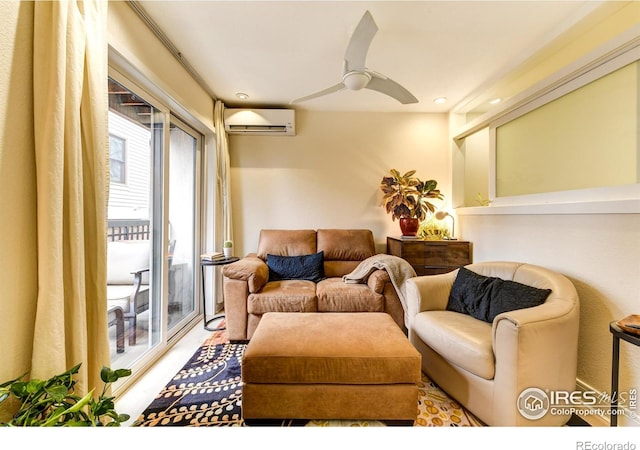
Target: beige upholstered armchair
x=487, y=366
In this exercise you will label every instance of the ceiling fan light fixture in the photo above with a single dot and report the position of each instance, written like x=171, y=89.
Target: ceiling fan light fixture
x=356, y=80
x=356, y=76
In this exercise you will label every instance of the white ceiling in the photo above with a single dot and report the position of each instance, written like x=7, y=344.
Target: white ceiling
x=277, y=51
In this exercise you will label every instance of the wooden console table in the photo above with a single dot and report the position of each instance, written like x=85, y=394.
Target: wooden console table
x=431, y=257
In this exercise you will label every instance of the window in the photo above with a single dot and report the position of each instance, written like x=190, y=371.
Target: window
x=570, y=144
x=117, y=163
x=588, y=138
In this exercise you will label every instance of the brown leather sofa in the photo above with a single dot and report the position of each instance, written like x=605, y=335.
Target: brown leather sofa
x=248, y=292
x=494, y=369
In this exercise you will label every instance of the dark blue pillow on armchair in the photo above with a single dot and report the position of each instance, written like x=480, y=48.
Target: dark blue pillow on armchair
x=303, y=267
x=486, y=297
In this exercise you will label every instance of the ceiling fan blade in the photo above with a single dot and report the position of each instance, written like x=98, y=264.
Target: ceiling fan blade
x=331, y=90
x=389, y=87
x=356, y=52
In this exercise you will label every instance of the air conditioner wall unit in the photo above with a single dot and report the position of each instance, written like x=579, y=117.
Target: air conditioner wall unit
x=272, y=122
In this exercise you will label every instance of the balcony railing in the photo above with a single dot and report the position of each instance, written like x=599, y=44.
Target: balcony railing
x=128, y=230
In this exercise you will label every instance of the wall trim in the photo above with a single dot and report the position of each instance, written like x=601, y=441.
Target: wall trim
x=595, y=207
x=598, y=420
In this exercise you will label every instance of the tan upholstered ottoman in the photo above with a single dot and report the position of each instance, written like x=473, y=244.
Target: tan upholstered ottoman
x=330, y=366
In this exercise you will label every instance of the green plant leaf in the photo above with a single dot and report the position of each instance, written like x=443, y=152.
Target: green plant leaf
x=52, y=402
x=123, y=373
x=406, y=195
x=57, y=393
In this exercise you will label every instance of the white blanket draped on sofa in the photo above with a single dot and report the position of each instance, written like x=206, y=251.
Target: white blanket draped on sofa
x=398, y=269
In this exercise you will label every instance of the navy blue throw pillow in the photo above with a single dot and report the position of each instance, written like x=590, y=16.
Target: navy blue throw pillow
x=486, y=297
x=303, y=267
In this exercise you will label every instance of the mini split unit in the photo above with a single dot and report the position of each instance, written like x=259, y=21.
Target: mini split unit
x=272, y=122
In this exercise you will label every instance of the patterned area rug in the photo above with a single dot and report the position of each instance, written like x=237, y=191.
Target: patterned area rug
x=207, y=391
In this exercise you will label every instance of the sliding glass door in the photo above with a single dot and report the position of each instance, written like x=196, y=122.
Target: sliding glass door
x=183, y=163
x=153, y=218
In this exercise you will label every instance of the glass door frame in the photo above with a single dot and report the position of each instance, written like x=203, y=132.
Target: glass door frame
x=160, y=215
x=197, y=190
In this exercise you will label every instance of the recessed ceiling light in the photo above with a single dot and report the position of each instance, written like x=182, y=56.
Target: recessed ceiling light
x=495, y=101
x=440, y=100
x=242, y=96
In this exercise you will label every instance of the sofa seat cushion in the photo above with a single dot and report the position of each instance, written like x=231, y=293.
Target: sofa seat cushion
x=460, y=339
x=284, y=296
x=334, y=295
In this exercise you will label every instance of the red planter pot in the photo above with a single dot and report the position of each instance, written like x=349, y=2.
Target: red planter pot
x=409, y=226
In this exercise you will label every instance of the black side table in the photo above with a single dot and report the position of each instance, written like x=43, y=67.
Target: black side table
x=203, y=264
x=618, y=333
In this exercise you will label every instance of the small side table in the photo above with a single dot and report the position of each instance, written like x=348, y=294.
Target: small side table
x=618, y=333
x=203, y=264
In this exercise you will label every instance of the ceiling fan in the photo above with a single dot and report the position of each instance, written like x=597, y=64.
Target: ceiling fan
x=356, y=76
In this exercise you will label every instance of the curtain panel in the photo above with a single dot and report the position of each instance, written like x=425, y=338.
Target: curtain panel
x=223, y=182
x=71, y=157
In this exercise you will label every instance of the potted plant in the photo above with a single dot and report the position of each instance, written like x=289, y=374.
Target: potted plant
x=407, y=198
x=52, y=403
x=227, y=248
x=433, y=229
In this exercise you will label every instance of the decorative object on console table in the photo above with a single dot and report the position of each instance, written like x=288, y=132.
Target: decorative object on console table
x=216, y=261
x=431, y=257
x=441, y=215
x=406, y=197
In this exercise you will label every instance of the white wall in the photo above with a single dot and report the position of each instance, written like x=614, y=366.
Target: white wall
x=328, y=176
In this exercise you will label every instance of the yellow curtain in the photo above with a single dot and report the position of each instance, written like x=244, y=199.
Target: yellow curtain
x=223, y=189
x=71, y=156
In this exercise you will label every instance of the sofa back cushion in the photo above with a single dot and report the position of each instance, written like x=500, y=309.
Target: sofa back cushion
x=124, y=257
x=346, y=245
x=286, y=243
x=344, y=249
